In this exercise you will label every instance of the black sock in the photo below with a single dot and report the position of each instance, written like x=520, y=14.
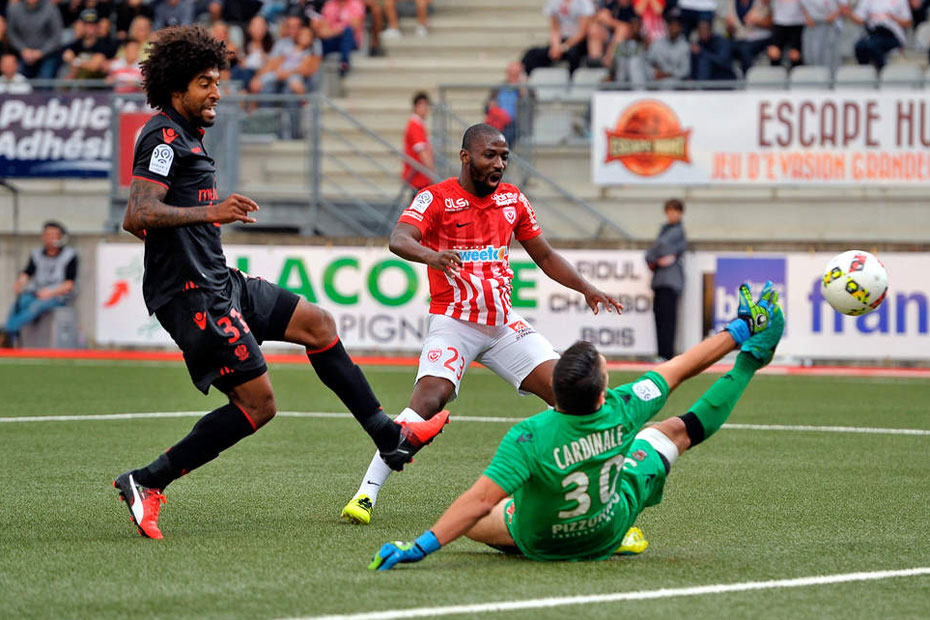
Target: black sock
x=339, y=373
x=213, y=433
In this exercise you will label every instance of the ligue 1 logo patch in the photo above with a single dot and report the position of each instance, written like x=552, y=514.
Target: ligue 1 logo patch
x=160, y=163
x=648, y=139
x=433, y=355
x=510, y=214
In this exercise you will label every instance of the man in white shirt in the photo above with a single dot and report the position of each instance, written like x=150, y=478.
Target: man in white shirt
x=11, y=81
x=885, y=24
x=569, y=21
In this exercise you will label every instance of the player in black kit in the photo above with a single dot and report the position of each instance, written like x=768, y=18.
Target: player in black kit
x=217, y=315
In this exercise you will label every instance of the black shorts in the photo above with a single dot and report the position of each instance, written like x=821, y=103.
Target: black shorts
x=220, y=331
x=787, y=37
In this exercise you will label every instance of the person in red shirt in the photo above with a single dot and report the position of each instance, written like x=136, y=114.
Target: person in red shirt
x=417, y=145
x=461, y=229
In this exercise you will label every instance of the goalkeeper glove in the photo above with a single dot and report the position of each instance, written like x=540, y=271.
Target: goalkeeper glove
x=753, y=317
x=403, y=552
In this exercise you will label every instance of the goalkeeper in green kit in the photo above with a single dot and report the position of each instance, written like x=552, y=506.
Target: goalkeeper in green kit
x=568, y=483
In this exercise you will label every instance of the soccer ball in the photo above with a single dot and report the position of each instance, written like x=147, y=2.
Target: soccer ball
x=854, y=282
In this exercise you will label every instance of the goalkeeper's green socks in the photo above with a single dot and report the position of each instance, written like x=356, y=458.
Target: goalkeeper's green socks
x=709, y=413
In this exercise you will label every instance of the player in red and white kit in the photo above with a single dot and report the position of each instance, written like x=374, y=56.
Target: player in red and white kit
x=461, y=229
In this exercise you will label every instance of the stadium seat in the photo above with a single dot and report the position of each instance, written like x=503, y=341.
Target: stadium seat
x=57, y=329
x=901, y=76
x=766, y=77
x=585, y=81
x=809, y=77
x=855, y=77
x=550, y=83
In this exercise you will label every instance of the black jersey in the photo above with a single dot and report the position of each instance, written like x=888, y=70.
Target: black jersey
x=170, y=152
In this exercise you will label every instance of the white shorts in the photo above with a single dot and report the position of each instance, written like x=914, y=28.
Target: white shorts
x=512, y=351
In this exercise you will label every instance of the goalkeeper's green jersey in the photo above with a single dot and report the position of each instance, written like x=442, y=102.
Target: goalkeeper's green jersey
x=564, y=473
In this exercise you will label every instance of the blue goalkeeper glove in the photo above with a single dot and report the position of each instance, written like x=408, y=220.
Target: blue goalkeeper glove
x=398, y=552
x=753, y=317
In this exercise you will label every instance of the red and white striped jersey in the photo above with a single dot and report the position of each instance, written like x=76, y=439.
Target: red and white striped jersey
x=479, y=229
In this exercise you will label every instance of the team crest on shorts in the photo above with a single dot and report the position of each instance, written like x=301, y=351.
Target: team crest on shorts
x=510, y=214
x=242, y=352
x=433, y=355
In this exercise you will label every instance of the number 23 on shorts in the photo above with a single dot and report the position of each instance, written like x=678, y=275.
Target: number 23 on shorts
x=454, y=362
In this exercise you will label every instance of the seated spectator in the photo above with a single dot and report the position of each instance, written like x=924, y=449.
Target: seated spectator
x=46, y=283
x=749, y=24
x=88, y=57
x=788, y=20
x=34, y=28
x=140, y=29
x=628, y=64
x=711, y=55
x=609, y=26
x=340, y=27
x=12, y=82
x=821, y=36
x=5, y=46
x=255, y=51
x=692, y=12
x=885, y=24
x=71, y=11
x=174, y=13
x=125, y=72
x=651, y=12
x=669, y=58
x=503, y=107
x=390, y=12
x=290, y=27
x=569, y=22
x=293, y=72
x=126, y=12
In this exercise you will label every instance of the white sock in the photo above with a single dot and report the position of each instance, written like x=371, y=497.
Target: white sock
x=661, y=442
x=378, y=471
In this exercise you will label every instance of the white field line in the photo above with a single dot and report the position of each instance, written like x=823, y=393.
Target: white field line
x=640, y=595
x=485, y=419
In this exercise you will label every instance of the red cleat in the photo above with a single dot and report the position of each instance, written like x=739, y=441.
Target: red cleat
x=413, y=436
x=144, y=504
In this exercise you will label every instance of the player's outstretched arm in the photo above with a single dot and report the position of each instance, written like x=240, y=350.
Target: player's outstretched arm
x=405, y=242
x=753, y=317
x=146, y=210
x=556, y=267
x=470, y=507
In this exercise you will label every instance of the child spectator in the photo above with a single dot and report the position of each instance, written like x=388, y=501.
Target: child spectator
x=125, y=73
x=12, y=82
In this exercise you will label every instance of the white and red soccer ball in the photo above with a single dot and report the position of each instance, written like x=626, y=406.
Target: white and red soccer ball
x=854, y=282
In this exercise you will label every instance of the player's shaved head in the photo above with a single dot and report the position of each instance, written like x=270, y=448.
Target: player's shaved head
x=579, y=380
x=478, y=135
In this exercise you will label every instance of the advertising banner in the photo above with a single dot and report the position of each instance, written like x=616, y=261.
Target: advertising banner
x=380, y=302
x=761, y=137
x=897, y=330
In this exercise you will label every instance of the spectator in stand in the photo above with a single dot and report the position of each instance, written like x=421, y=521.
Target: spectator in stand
x=12, y=82
x=669, y=58
x=569, y=22
x=46, y=283
x=788, y=20
x=287, y=39
x=220, y=31
x=609, y=26
x=125, y=72
x=820, y=40
x=126, y=12
x=174, y=13
x=293, y=72
x=885, y=24
x=340, y=27
x=34, y=28
x=711, y=55
x=5, y=46
x=71, y=11
x=255, y=51
x=140, y=29
x=417, y=146
x=651, y=12
x=390, y=11
x=692, y=12
x=628, y=64
x=749, y=25
x=503, y=108
x=89, y=56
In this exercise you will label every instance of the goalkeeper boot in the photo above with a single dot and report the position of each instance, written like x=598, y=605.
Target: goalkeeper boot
x=143, y=503
x=358, y=511
x=633, y=543
x=762, y=345
x=413, y=436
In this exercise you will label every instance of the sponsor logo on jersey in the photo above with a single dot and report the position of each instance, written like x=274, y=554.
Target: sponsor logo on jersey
x=456, y=204
x=488, y=253
x=160, y=163
x=510, y=214
x=168, y=135
x=433, y=355
x=646, y=390
x=503, y=199
x=423, y=200
x=242, y=352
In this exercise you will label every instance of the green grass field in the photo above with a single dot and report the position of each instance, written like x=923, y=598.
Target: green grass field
x=255, y=534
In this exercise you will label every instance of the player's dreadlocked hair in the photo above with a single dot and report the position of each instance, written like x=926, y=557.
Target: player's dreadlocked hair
x=577, y=380
x=177, y=56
